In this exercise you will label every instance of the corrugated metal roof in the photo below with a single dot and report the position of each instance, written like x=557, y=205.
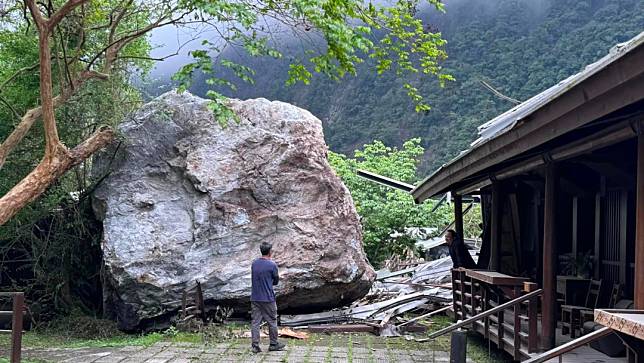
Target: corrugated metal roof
x=509, y=119
x=506, y=121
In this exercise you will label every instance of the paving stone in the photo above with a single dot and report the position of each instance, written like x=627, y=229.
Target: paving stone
x=361, y=356
x=165, y=354
x=182, y=344
x=380, y=354
x=157, y=360
x=361, y=350
x=143, y=354
x=112, y=358
x=404, y=359
x=271, y=359
x=192, y=351
x=317, y=353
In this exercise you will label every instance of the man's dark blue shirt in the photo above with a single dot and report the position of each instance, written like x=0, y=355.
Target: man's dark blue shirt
x=264, y=276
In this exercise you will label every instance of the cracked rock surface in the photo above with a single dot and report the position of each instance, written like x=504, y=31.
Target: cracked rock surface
x=186, y=200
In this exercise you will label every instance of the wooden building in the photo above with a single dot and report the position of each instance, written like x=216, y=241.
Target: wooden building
x=561, y=174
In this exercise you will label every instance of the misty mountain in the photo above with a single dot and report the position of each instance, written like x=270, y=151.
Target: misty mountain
x=520, y=47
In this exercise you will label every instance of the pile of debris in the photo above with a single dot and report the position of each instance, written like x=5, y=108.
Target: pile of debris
x=396, y=303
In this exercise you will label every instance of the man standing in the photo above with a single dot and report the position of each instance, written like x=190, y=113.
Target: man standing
x=262, y=299
x=457, y=250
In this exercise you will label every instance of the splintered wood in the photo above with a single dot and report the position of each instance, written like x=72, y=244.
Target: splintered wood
x=396, y=304
x=282, y=332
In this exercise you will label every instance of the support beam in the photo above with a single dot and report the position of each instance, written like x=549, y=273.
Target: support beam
x=495, y=235
x=621, y=131
x=575, y=220
x=598, y=214
x=458, y=215
x=548, y=322
x=639, y=228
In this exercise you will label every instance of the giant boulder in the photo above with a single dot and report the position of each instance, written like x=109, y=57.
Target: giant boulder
x=185, y=199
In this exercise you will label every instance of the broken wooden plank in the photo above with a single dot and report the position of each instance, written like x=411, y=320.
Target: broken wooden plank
x=425, y=316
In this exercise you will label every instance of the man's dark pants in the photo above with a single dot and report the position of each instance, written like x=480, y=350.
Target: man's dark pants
x=266, y=311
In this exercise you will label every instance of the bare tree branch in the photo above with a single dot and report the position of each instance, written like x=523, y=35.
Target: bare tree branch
x=17, y=73
x=68, y=7
x=34, y=114
x=499, y=94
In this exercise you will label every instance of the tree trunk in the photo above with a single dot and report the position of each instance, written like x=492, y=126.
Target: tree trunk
x=52, y=166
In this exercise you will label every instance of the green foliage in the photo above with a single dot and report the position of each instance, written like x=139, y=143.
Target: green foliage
x=51, y=248
x=345, y=31
x=383, y=210
x=520, y=47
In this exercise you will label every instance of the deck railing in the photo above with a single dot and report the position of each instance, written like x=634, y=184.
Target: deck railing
x=16, y=323
x=511, y=325
x=571, y=345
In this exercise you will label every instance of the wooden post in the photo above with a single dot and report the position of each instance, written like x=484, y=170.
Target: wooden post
x=639, y=228
x=16, y=326
x=495, y=235
x=455, y=289
x=458, y=214
x=598, y=213
x=575, y=226
x=623, y=204
x=517, y=326
x=548, y=322
x=533, y=336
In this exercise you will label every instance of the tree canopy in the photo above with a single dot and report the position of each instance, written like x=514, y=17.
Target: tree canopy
x=385, y=211
x=80, y=42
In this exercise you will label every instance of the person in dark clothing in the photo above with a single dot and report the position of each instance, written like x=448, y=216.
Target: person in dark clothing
x=262, y=298
x=457, y=250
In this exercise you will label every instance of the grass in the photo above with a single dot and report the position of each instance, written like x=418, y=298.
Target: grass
x=477, y=347
x=75, y=333
x=50, y=339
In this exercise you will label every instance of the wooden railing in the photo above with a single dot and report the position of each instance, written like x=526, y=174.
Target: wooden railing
x=512, y=325
x=16, y=323
x=571, y=345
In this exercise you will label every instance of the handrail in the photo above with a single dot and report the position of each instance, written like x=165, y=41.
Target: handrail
x=571, y=345
x=484, y=314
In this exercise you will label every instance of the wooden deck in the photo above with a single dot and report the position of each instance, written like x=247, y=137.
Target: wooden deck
x=586, y=354
x=515, y=327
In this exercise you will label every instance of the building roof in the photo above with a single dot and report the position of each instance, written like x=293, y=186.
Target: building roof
x=502, y=126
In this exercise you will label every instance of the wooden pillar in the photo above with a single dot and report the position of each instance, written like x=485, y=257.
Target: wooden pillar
x=458, y=214
x=598, y=214
x=639, y=227
x=575, y=225
x=495, y=235
x=548, y=322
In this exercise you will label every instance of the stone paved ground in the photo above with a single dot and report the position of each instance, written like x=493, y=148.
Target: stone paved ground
x=233, y=352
